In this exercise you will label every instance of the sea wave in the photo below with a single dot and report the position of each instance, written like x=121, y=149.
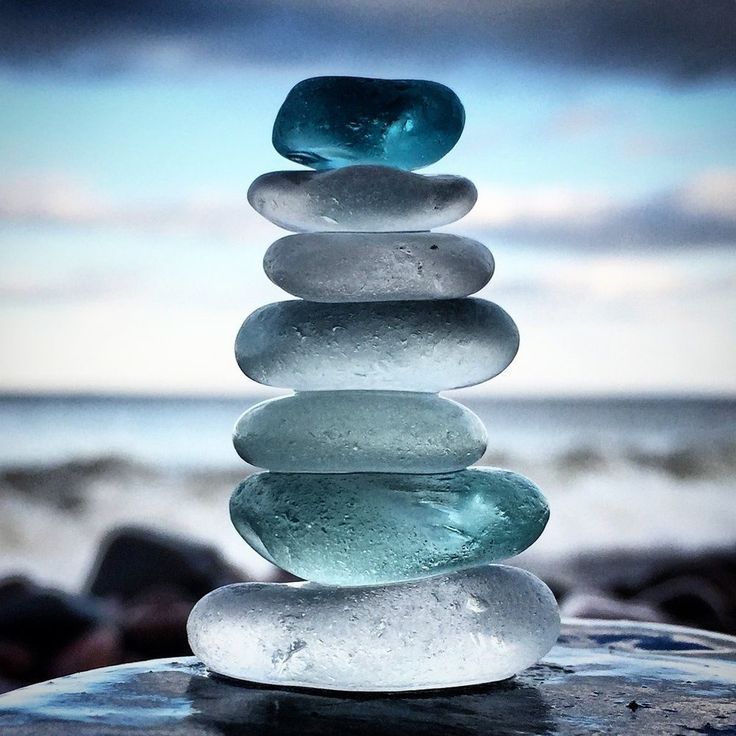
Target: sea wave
x=684, y=462
x=63, y=483
x=52, y=516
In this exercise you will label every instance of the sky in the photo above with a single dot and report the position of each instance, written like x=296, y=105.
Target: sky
x=601, y=137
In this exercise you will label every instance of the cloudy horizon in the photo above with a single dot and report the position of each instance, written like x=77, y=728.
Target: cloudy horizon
x=601, y=138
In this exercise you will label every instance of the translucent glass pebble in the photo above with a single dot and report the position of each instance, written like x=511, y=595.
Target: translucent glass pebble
x=466, y=628
x=398, y=346
x=368, y=493
x=369, y=198
x=360, y=431
x=369, y=528
x=327, y=122
x=366, y=267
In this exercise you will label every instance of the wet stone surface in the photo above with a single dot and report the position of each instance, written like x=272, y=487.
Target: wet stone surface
x=600, y=678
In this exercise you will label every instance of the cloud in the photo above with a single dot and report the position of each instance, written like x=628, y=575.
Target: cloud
x=670, y=39
x=700, y=212
x=580, y=120
x=25, y=286
x=621, y=281
x=48, y=197
x=712, y=193
x=62, y=201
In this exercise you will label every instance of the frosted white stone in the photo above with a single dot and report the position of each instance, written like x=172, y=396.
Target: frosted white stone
x=465, y=628
x=375, y=198
x=397, y=346
x=374, y=267
x=360, y=431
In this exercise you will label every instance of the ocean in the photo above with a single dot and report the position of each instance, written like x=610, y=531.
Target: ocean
x=641, y=474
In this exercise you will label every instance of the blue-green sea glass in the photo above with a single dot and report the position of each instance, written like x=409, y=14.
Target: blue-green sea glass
x=365, y=528
x=328, y=122
x=397, y=346
x=360, y=431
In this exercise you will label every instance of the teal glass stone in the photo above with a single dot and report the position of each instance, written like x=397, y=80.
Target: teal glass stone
x=360, y=431
x=328, y=122
x=367, y=528
x=397, y=346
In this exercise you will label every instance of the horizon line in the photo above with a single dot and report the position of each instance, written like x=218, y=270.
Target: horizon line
x=690, y=395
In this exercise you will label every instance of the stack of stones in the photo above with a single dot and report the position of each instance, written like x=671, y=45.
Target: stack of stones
x=368, y=493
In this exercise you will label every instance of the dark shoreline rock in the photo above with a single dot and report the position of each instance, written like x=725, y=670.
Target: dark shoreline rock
x=134, y=606
x=687, y=588
x=133, y=560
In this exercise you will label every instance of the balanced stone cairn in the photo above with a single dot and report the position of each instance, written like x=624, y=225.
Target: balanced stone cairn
x=367, y=493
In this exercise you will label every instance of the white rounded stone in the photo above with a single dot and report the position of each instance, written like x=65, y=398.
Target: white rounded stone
x=466, y=628
x=398, y=346
x=375, y=198
x=374, y=267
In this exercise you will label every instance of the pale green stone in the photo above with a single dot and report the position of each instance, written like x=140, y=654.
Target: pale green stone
x=360, y=431
x=366, y=528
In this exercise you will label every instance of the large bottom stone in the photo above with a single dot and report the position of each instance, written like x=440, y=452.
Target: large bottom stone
x=374, y=528
x=471, y=627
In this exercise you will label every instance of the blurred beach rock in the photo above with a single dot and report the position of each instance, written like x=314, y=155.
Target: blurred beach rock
x=37, y=624
x=134, y=606
x=101, y=646
x=135, y=560
x=153, y=624
x=672, y=586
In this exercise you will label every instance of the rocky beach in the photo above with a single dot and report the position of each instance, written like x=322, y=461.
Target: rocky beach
x=103, y=555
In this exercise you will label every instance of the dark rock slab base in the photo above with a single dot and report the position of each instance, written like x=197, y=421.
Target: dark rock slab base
x=601, y=678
